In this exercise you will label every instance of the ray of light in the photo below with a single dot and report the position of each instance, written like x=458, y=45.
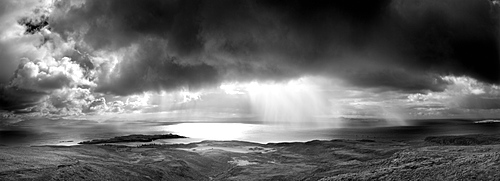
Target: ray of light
x=296, y=103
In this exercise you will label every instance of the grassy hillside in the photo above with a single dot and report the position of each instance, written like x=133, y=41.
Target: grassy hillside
x=432, y=159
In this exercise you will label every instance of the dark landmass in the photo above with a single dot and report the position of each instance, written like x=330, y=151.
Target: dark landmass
x=236, y=160
x=478, y=139
x=133, y=138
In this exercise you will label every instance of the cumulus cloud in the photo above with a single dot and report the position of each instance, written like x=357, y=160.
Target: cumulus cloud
x=127, y=104
x=463, y=93
x=49, y=75
x=47, y=86
x=84, y=50
x=14, y=44
x=38, y=75
x=66, y=101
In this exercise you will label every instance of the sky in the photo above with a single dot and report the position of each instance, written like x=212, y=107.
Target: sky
x=268, y=59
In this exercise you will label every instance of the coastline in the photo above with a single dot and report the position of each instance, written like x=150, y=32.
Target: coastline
x=336, y=159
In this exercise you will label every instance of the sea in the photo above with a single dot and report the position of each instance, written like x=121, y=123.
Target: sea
x=67, y=132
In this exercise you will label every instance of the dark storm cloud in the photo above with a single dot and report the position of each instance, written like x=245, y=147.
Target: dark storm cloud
x=398, y=80
x=34, y=25
x=15, y=98
x=400, y=44
x=114, y=24
x=149, y=68
x=460, y=37
x=7, y=66
x=479, y=102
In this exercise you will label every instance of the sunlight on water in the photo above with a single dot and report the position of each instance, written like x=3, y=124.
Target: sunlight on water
x=243, y=132
x=212, y=131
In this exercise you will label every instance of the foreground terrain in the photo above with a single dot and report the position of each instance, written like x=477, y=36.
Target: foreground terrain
x=473, y=157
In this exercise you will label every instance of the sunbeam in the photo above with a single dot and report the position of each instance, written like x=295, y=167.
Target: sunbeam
x=295, y=103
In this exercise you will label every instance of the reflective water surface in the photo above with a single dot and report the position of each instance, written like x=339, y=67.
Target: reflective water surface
x=70, y=132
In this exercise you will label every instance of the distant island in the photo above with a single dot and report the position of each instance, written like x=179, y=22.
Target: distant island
x=133, y=138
